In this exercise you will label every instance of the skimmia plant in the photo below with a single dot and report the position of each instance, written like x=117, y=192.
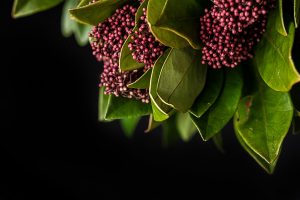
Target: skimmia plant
x=193, y=66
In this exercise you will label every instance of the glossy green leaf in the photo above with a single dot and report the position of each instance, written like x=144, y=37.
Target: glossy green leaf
x=263, y=120
x=216, y=118
x=126, y=62
x=22, y=8
x=70, y=27
x=218, y=141
x=102, y=104
x=274, y=60
x=279, y=19
x=268, y=167
x=161, y=111
x=143, y=82
x=152, y=124
x=129, y=125
x=175, y=24
x=97, y=12
x=182, y=78
x=297, y=12
x=170, y=132
x=185, y=126
x=210, y=93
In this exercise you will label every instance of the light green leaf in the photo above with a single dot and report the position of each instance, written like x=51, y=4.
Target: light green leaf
x=185, y=126
x=274, y=60
x=182, y=78
x=152, y=124
x=215, y=119
x=97, y=12
x=103, y=104
x=161, y=111
x=70, y=27
x=218, y=141
x=129, y=125
x=263, y=120
x=175, y=24
x=279, y=19
x=22, y=8
x=143, y=82
x=210, y=93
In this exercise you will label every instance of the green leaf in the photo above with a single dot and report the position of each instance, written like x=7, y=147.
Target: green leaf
x=129, y=125
x=170, y=132
x=152, y=124
x=161, y=111
x=22, y=8
x=103, y=104
x=268, y=167
x=185, y=126
x=263, y=120
x=210, y=93
x=143, y=82
x=297, y=12
x=126, y=62
x=218, y=141
x=175, y=24
x=214, y=120
x=120, y=108
x=274, y=60
x=182, y=78
x=70, y=27
x=279, y=19
x=97, y=12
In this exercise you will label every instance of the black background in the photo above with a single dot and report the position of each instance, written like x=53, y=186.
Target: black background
x=52, y=147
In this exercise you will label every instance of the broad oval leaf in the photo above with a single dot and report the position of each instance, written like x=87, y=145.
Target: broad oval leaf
x=263, y=120
x=175, y=24
x=143, y=82
x=182, y=78
x=97, y=12
x=210, y=93
x=274, y=60
x=268, y=167
x=22, y=8
x=216, y=118
x=161, y=111
x=297, y=12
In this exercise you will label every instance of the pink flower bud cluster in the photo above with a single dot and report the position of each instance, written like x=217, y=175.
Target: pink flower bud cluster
x=230, y=30
x=107, y=39
x=145, y=48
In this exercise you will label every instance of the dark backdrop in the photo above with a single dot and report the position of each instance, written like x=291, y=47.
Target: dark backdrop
x=52, y=147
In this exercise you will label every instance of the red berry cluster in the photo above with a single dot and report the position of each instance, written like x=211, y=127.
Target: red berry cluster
x=107, y=39
x=230, y=30
x=145, y=48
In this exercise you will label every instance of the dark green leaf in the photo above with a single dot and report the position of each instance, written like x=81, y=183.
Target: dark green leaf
x=214, y=120
x=218, y=141
x=127, y=63
x=152, y=124
x=263, y=120
x=161, y=111
x=120, y=107
x=170, y=132
x=269, y=167
x=129, y=125
x=297, y=12
x=103, y=104
x=97, y=12
x=143, y=82
x=185, y=126
x=273, y=58
x=22, y=8
x=174, y=23
x=182, y=78
x=210, y=93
